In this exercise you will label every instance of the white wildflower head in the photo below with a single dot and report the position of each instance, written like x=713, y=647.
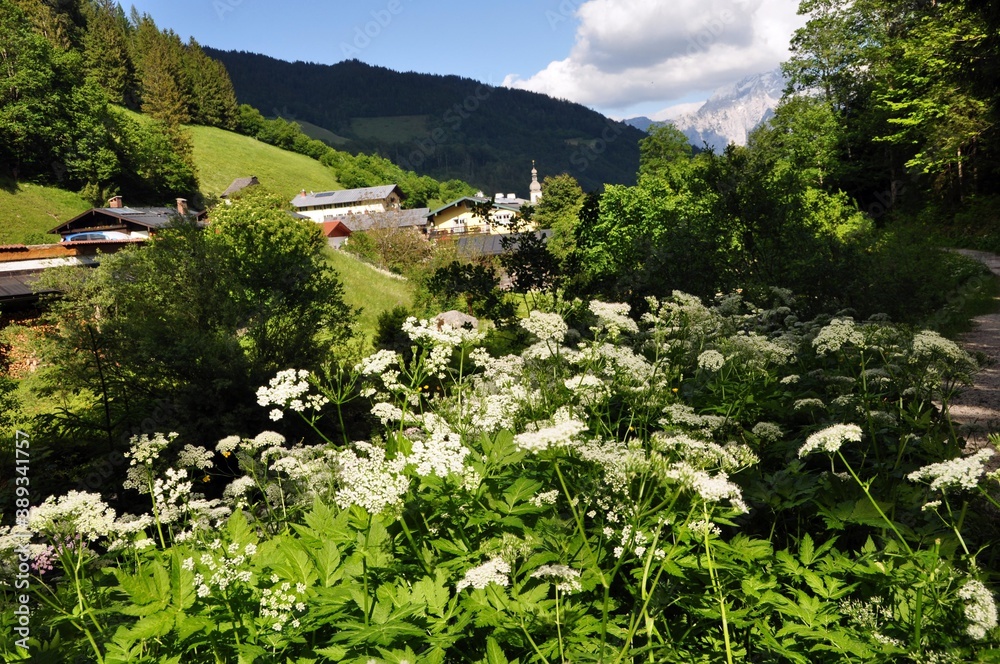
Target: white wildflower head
x=439, y=333
x=495, y=570
x=145, y=450
x=195, y=457
x=289, y=389
x=547, y=327
x=980, y=608
x=830, y=439
x=768, y=431
x=959, y=473
x=442, y=454
x=370, y=480
x=711, y=488
x=378, y=363
x=612, y=318
x=76, y=513
x=227, y=445
x=557, y=435
x=565, y=578
x=838, y=333
x=711, y=360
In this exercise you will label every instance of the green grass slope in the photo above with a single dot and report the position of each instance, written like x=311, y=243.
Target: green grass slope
x=222, y=156
x=370, y=290
x=28, y=211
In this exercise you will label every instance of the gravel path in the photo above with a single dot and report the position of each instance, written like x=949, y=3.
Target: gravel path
x=977, y=408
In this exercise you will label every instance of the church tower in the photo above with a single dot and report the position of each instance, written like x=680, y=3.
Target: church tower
x=535, y=188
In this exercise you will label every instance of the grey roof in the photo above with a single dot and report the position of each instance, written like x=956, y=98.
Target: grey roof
x=153, y=218
x=238, y=185
x=362, y=221
x=345, y=196
x=483, y=244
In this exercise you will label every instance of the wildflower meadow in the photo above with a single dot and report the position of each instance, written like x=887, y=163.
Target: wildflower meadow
x=701, y=483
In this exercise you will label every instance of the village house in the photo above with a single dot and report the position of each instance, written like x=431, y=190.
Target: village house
x=334, y=205
x=461, y=217
x=118, y=220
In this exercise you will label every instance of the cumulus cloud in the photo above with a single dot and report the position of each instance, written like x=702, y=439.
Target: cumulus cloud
x=633, y=51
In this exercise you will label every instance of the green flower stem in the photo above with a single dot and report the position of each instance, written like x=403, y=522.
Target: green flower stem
x=717, y=586
x=864, y=487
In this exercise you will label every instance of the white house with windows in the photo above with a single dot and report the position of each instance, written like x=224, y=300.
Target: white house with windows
x=334, y=205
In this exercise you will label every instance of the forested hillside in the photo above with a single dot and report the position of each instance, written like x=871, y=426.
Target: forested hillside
x=444, y=126
x=68, y=70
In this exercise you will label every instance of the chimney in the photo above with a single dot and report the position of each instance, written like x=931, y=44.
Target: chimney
x=302, y=193
x=182, y=206
x=116, y=202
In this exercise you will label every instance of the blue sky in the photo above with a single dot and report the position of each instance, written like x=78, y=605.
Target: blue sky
x=621, y=57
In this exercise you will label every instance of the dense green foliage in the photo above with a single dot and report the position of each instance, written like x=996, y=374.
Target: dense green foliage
x=192, y=320
x=475, y=132
x=67, y=65
x=913, y=92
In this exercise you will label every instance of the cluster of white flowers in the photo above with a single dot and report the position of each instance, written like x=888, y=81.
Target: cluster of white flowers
x=193, y=456
x=680, y=414
x=633, y=540
x=221, y=569
x=130, y=530
x=278, y=605
x=767, y=431
x=705, y=454
x=711, y=360
x=377, y=363
x=547, y=327
x=613, y=318
x=75, y=513
x=838, y=333
x=559, y=434
x=442, y=454
x=980, y=608
x=387, y=412
x=711, y=488
x=566, y=578
x=143, y=451
x=171, y=495
x=289, y=389
x=494, y=570
x=758, y=352
x=490, y=413
x=237, y=490
x=504, y=372
x=439, y=333
x=545, y=498
x=702, y=528
x=809, y=403
x=830, y=439
x=370, y=481
x=928, y=345
x=960, y=473
x=618, y=363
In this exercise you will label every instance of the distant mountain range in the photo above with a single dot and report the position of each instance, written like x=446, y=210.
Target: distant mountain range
x=730, y=114
x=443, y=126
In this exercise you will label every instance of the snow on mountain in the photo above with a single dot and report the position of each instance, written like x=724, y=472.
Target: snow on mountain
x=731, y=113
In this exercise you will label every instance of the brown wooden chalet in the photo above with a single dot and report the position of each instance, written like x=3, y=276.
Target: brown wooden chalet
x=138, y=222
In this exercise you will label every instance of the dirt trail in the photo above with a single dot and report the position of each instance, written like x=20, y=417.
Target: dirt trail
x=977, y=409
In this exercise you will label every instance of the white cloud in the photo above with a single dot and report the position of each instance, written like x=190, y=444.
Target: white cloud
x=628, y=52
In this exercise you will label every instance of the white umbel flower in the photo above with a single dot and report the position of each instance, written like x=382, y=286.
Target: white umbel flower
x=980, y=608
x=557, y=435
x=494, y=570
x=547, y=327
x=960, y=473
x=830, y=439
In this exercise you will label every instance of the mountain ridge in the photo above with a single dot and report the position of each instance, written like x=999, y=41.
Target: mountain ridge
x=443, y=126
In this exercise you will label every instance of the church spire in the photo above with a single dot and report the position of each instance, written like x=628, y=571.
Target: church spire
x=535, y=188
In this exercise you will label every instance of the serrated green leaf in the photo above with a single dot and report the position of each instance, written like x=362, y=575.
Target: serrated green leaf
x=494, y=654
